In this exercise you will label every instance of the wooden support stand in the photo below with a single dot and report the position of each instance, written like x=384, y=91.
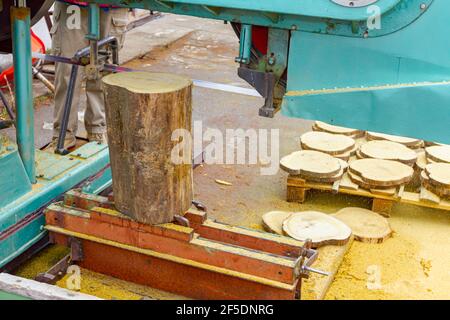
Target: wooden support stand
x=207, y=260
x=151, y=183
x=297, y=190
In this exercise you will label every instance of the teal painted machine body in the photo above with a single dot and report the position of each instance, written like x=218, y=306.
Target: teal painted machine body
x=21, y=218
x=345, y=69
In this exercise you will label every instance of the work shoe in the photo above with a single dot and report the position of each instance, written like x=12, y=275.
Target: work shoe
x=69, y=143
x=97, y=137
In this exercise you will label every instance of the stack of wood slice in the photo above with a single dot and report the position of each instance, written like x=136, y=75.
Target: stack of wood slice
x=408, y=142
x=337, y=145
x=321, y=228
x=379, y=174
x=436, y=178
x=314, y=166
x=329, y=128
x=387, y=150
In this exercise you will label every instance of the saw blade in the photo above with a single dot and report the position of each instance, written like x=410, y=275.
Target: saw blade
x=115, y=68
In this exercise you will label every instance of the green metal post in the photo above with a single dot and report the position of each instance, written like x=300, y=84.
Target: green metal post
x=21, y=38
x=94, y=22
x=245, y=44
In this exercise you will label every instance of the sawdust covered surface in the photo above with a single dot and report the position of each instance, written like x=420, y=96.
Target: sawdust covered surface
x=413, y=264
x=110, y=288
x=42, y=262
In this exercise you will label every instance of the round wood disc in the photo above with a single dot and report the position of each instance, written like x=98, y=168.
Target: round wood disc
x=321, y=228
x=379, y=172
x=438, y=153
x=327, y=142
x=440, y=173
x=388, y=150
x=368, y=186
x=367, y=226
x=433, y=186
x=409, y=142
x=273, y=221
x=325, y=127
x=310, y=163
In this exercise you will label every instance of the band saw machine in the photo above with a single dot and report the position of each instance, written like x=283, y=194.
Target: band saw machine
x=378, y=65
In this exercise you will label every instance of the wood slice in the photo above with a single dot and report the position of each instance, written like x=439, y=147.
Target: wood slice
x=326, y=142
x=438, y=153
x=434, y=187
x=439, y=173
x=388, y=150
x=321, y=228
x=310, y=163
x=143, y=110
x=273, y=221
x=368, y=186
x=343, y=156
x=379, y=172
x=409, y=142
x=329, y=128
x=367, y=226
x=331, y=179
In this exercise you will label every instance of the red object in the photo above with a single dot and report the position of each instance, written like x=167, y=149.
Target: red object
x=260, y=38
x=200, y=262
x=36, y=46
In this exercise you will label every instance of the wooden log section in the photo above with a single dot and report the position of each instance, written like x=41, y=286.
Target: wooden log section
x=142, y=111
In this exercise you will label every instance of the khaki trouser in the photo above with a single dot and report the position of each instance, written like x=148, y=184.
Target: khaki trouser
x=66, y=41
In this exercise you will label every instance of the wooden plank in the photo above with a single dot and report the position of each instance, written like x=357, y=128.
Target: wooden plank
x=245, y=260
x=295, y=187
x=171, y=273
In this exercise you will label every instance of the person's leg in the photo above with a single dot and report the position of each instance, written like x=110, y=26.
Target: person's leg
x=119, y=24
x=66, y=40
x=94, y=118
x=113, y=22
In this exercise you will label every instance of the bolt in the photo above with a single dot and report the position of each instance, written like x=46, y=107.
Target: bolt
x=423, y=6
x=366, y=34
x=294, y=27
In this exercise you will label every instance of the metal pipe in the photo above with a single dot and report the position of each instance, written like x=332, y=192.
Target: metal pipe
x=66, y=113
x=80, y=54
x=21, y=39
x=7, y=106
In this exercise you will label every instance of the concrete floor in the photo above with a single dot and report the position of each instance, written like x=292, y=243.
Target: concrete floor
x=414, y=264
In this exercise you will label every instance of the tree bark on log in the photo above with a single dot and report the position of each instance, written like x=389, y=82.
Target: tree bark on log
x=142, y=111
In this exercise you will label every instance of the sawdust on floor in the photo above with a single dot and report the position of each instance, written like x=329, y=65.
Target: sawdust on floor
x=413, y=264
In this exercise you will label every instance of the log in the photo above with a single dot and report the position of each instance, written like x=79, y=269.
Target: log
x=142, y=111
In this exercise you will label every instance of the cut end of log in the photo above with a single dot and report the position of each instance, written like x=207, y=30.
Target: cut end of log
x=148, y=82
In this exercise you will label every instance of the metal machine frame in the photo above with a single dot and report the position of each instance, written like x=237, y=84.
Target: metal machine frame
x=321, y=61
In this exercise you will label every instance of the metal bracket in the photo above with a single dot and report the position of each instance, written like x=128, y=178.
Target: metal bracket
x=76, y=249
x=55, y=273
x=264, y=83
